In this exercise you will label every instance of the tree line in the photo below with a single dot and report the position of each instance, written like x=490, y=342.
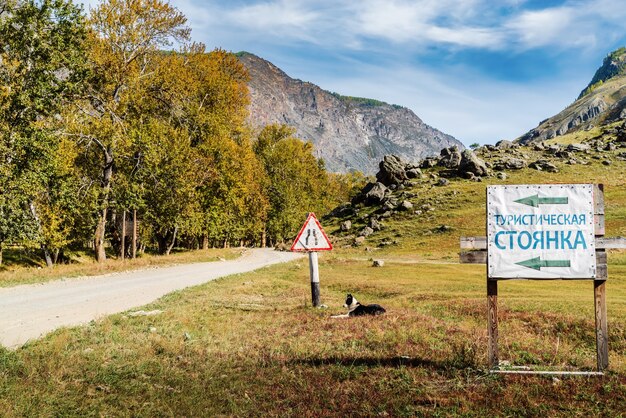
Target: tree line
x=119, y=112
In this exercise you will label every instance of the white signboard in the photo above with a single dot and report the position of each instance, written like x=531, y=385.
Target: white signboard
x=541, y=231
x=311, y=237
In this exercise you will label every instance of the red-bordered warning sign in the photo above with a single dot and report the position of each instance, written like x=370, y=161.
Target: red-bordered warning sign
x=311, y=237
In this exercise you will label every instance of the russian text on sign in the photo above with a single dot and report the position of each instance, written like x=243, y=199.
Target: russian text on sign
x=541, y=231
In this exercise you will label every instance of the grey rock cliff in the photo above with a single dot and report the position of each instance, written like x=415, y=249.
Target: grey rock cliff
x=347, y=133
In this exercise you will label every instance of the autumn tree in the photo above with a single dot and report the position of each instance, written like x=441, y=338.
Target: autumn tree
x=296, y=183
x=205, y=95
x=124, y=39
x=42, y=65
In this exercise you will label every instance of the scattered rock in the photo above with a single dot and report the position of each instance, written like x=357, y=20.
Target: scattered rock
x=374, y=193
x=346, y=226
x=405, y=205
x=442, y=182
x=607, y=162
x=577, y=147
x=472, y=164
x=544, y=165
x=504, y=144
x=450, y=157
x=553, y=148
x=414, y=173
x=501, y=175
x=429, y=162
x=391, y=170
x=359, y=241
x=375, y=225
x=514, y=163
x=378, y=263
x=342, y=211
x=366, y=232
x=444, y=228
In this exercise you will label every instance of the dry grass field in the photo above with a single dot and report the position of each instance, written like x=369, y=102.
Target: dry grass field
x=251, y=345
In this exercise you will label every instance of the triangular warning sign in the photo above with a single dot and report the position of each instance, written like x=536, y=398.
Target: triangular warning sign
x=311, y=237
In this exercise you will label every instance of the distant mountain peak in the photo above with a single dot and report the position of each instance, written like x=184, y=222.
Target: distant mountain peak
x=348, y=133
x=614, y=65
x=602, y=102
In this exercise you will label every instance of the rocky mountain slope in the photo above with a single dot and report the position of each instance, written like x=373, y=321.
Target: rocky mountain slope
x=421, y=192
x=602, y=102
x=348, y=133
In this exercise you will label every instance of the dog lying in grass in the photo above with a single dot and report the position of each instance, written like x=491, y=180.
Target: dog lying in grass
x=355, y=308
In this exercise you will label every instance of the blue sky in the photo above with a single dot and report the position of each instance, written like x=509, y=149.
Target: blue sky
x=476, y=69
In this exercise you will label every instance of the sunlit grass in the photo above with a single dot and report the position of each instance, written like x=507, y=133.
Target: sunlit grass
x=252, y=345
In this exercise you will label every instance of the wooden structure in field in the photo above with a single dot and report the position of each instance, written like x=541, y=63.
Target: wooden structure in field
x=544, y=232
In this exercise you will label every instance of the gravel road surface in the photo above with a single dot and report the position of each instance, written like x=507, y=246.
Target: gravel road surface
x=29, y=311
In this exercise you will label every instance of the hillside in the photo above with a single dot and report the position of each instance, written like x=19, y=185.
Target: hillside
x=602, y=102
x=349, y=133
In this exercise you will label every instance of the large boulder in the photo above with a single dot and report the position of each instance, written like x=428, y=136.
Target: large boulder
x=510, y=164
x=429, y=162
x=450, y=157
x=544, y=165
x=392, y=170
x=578, y=147
x=374, y=193
x=504, y=144
x=470, y=163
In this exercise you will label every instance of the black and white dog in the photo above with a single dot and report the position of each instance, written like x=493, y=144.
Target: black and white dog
x=356, y=309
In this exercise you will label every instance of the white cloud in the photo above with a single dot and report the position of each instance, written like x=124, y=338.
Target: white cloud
x=275, y=16
x=424, y=22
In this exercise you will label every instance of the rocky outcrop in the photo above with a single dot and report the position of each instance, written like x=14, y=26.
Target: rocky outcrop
x=450, y=157
x=392, y=170
x=470, y=163
x=602, y=102
x=348, y=133
x=373, y=193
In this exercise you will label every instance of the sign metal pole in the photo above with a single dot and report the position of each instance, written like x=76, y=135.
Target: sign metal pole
x=315, y=279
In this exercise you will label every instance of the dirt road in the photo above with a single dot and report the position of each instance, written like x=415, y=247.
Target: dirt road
x=30, y=311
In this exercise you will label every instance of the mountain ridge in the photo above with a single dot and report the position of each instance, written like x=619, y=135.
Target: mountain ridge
x=348, y=133
x=601, y=102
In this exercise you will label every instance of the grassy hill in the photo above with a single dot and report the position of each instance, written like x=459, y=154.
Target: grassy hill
x=251, y=345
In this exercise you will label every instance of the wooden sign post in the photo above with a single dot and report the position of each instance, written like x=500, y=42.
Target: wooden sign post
x=559, y=235
x=312, y=239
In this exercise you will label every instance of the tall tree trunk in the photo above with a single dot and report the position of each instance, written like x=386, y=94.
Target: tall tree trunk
x=44, y=248
x=169, y=247
x=99, y=236
x=123, y=244
x=134, y=233
x=0, y=253
x=205, y=241
x=264, y=238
